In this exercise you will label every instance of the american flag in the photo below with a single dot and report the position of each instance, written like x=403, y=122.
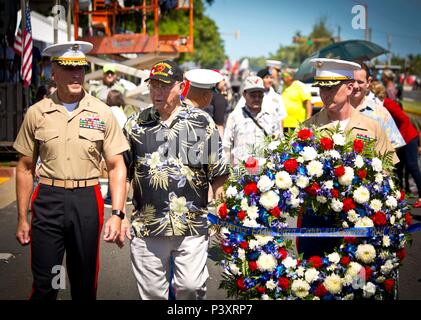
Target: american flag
x=25, y=49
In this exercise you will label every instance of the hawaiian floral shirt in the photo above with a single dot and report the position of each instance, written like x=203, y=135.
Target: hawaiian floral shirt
x=171, y=166
x=373, y=108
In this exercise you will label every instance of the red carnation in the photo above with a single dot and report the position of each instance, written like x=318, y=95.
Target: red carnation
x=312, y=190
x=379, y=219
x=315, y=261
x=362, y=174
x=389, y=285
x=368, y=273
x=241, y=284
x=339, y=171
x=291, y=165
x=283, y=253
x=304, y=134
x=251, y=165
x=252, y=265
x=326, y=143
x=402, y=195
x=223, y=211
x=320, y=290
x=276, y=212
x=283, y=283
x=250, y=188
x=261, y=290
x=227, y=249
x=401, y=254
x=408, y=218
x=334, y=193
x=350, y=239
x=348, y=204
x=244, y=245
x=345, y=260
x=241, y=215
x=358, y=145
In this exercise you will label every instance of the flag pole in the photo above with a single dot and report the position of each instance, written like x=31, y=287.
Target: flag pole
x=23, y=18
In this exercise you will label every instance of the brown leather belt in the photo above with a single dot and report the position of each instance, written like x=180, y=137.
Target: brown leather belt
x=69, y=184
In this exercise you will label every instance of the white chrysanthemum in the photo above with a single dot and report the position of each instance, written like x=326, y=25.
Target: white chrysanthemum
x=347, y=280
x=283, y=180
x=234, y=269
x=300, y=271
x=250, y=223
x=354, y=269
x=241, y=254
x=361, y=195
x=391, y=202
x=315, y=168
x=265, y=297
x=376, y=205
x=316, y=298
x=352, y=216
x=369, y=290
x=347, y=178
x=271, y=284
x=273, y=145
x=334, y=257
x=338, y=139
x=294, y=202
x=270, y=166
x=384, y=254
x=321, y=199
x=386, y=241
x=387, y=267
x=289, y=262
x=244, y=204
x=253, y=244
x=266, y=262
x=359, y=161
x=263, y=240
x=365, y=253
x=364, y=222
x=392, y=220
x=294, y=191
x=311, y=275
x=252, y=212
x=332, y=267
x=231, y=192
x=309, y=153
x=300, y=160
x=335, y=154
x=333, y=283
x=378, y=178
x=345, y=224
x=300, y=288
x=336, y=205
x=265, y=183
x=328, y=185
x=377, y=165
x=398, y=214
x=269, y=200
x=302, y=182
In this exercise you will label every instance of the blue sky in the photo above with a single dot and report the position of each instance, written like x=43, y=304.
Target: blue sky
x=266, y=24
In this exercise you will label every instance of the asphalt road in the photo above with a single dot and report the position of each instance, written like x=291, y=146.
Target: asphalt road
x=413, y=95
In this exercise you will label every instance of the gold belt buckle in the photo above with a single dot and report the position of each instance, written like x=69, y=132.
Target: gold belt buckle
x=68, y=184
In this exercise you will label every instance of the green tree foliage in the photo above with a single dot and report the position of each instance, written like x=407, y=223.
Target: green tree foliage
x=209, y=49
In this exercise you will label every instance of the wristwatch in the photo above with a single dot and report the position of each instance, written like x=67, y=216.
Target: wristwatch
x=118, y=213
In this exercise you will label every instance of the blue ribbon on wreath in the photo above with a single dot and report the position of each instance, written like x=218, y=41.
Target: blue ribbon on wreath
x=312, y=232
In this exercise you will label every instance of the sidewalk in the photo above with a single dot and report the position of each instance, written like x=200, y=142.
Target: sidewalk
x=7, y=186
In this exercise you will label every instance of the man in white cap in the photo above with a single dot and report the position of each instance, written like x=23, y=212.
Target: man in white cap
x=336, y=81
x=70, y=131
x=247, y=127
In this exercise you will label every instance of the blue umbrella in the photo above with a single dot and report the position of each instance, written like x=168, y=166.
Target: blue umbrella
x=351, y=50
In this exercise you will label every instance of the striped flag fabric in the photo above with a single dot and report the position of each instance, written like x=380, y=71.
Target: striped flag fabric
x=23, y=47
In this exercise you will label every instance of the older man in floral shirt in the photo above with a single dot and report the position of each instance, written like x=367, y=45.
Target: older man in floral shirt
x=175, y=152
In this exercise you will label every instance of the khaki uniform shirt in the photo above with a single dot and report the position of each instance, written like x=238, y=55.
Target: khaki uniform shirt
x=360, y=126
x=70, y=147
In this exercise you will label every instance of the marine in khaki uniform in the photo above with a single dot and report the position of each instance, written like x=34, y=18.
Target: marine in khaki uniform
x=336, y=81
x=70, y=131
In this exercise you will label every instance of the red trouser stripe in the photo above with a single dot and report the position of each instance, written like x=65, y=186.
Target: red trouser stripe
x=100, y=203
x=34, y=196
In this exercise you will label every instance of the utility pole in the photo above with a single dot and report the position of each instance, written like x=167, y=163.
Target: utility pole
x=339, y=34
x=389, y=47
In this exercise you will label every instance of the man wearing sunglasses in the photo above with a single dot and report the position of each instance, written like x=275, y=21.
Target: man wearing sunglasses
x=110, y=82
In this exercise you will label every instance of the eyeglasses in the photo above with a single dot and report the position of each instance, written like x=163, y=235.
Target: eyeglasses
x=159, y=85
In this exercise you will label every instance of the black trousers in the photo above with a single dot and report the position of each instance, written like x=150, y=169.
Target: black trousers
x=66, y=220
